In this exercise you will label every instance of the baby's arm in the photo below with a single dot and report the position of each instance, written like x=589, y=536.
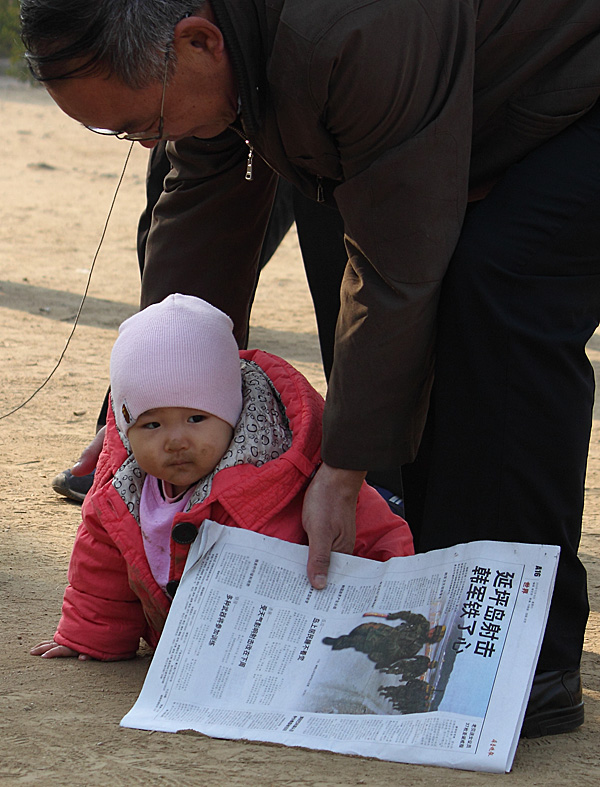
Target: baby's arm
x=49, y=649
x=102, y=616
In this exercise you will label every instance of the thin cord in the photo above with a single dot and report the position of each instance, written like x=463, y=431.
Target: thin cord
x=83, y=297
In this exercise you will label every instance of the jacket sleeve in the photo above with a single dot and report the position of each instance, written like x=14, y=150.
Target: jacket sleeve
x=208, y=226
x=399, y=103
x=101, y=615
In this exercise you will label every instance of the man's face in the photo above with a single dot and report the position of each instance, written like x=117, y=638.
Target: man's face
x=201, y=97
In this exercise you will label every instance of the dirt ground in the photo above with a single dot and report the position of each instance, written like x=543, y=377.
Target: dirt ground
x=59, y=720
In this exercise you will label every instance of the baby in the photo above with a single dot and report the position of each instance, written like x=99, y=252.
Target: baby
x=197, y=431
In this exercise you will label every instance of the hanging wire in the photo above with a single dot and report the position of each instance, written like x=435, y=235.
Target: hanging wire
x=83, y=297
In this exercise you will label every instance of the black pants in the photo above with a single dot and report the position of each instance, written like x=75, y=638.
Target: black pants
x=505, y=449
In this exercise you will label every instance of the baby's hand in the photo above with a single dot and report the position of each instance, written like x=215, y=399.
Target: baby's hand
x=52, y=650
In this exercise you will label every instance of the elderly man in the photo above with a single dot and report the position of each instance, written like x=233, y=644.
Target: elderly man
x=460, y=133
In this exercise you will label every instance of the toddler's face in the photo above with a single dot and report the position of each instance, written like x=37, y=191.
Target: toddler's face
x=179, y=445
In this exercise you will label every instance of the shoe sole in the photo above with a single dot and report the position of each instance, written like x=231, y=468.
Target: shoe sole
x=60, y=486
x=553, y=722
x=68, y=493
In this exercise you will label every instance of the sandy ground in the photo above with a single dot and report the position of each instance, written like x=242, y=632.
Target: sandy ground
x=59, y=720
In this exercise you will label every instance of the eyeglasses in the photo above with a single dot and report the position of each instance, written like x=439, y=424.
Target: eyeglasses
x=141, y=136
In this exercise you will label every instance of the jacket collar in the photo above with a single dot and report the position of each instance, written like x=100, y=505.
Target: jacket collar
x=244, y=28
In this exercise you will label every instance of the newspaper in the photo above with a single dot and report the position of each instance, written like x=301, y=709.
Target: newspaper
x=425, y=659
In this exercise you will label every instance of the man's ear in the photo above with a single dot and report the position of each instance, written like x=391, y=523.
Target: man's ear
x=198, y=33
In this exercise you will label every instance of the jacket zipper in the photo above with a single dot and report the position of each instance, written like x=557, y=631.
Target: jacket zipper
x=320, y=195
x=250, y=160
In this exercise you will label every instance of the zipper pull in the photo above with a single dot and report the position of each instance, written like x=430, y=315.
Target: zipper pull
x=249, y=161
x=320, y=195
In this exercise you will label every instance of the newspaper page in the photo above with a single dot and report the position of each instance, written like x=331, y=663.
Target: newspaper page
x=424, y=659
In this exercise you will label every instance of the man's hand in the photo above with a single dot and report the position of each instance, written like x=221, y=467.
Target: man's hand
x=329, y=518
x=52, y=650
x=89, y=457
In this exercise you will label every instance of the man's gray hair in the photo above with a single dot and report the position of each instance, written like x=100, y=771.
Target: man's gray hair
x=125, y=38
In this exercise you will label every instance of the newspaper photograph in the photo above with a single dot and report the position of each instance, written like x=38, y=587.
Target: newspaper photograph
x=425, y=659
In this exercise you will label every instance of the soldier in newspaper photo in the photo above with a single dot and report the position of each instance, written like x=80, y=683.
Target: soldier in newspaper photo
x=390, y=646
x=395, y=651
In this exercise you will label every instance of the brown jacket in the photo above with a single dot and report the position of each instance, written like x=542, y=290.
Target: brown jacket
x=398, y=112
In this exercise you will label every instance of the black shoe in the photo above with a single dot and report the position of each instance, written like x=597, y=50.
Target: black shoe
x=555, y=704
x=75, y=487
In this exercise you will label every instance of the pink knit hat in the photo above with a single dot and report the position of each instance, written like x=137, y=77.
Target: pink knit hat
x=176, y=353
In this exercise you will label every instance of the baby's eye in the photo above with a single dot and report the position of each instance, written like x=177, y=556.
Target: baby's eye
x=196, y=419
x=151, y=425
